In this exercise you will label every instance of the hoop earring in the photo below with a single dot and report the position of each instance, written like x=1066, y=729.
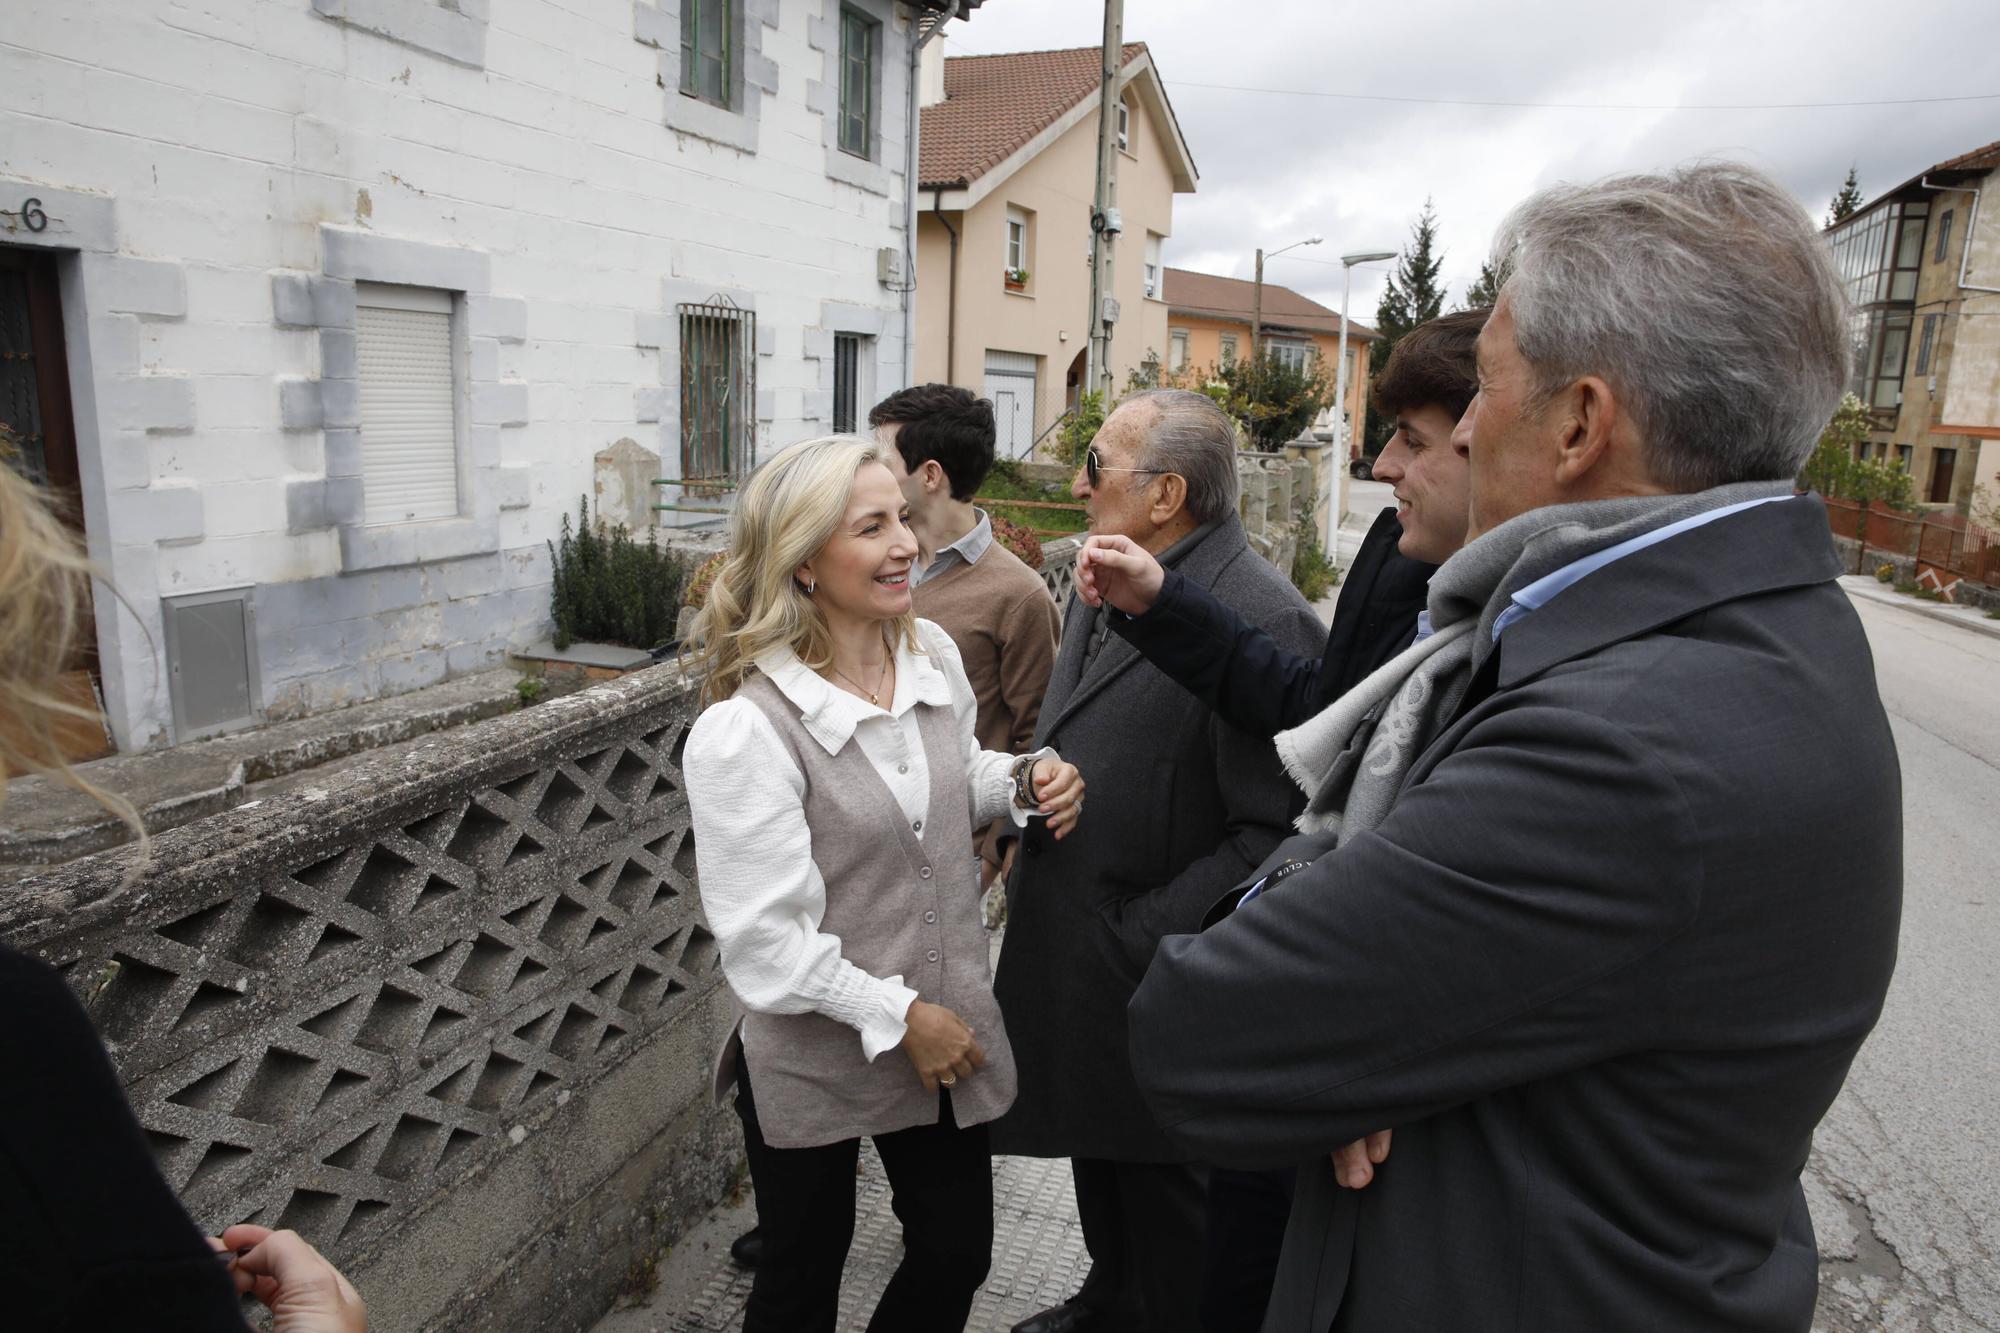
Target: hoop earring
x=811, y=586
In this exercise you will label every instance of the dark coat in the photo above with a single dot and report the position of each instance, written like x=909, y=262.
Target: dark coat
x=1237, y=669
x=1602, y=969
x=1180, y=806
x=94, y=1239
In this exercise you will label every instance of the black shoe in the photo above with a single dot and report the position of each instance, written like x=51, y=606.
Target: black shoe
x=1069, y=1317
x=747, y=1248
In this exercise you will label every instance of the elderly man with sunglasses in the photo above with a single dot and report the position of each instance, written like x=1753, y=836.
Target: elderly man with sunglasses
x=1182, y=807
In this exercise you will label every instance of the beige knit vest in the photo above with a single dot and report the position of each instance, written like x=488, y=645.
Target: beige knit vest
x=903, y=902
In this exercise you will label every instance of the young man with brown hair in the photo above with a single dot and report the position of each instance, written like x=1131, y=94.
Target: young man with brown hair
x=996, y=609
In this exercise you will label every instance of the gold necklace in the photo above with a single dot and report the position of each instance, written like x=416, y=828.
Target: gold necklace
x=874, y=695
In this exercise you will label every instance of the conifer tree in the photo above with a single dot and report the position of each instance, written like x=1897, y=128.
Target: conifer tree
x=1484, y=291
x=1412, y=296
x=1845, y=202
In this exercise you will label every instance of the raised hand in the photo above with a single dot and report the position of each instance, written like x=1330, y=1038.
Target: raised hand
x=1116, y=570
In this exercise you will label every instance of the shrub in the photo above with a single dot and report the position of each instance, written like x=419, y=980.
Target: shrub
x=1312, y=573
x=1079, y=429
x=609, y=588
x=1885, y=573
x=1017, y=539
x=1835, y=472
x=702, y=580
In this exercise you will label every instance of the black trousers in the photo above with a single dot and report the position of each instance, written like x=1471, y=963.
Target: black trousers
x=1247, y=1211
x=1143, y=1225
x=942, y=1181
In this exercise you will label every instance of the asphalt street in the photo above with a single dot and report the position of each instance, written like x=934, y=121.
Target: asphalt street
x=1905, y=1175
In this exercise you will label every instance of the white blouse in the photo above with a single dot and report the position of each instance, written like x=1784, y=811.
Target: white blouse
x=763, y=893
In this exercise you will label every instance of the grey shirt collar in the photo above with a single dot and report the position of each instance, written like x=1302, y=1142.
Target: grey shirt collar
x=968, y=549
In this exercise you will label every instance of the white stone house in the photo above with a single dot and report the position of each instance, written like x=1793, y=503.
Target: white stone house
x=322, y=310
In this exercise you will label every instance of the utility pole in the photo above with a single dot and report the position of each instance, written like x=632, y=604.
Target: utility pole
x=1104, y=220
x=1257, y=331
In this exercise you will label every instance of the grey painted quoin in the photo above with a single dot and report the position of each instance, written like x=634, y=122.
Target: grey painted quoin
x=450, y=1015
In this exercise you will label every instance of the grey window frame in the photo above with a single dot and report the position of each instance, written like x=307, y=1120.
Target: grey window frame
x=1927, y=344
x=1943, y=236
x=847, y=349
x=856, y=134
x=692, y=55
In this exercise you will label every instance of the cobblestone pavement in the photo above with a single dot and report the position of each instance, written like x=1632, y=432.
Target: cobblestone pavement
x=1038, y=1257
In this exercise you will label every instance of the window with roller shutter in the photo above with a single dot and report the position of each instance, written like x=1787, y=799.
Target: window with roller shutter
x=409, y=403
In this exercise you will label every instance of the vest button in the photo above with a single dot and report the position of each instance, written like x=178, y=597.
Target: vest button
x=917, y=827
x=931, y=956
x=924, y=873
x=902, y=768
x=929, y=917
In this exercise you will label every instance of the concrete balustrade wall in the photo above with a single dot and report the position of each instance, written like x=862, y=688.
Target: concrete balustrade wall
x=451, y=1015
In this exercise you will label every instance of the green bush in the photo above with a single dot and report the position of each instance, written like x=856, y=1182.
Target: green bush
x=1835, y=472
x=1079, y=429
x=609, y=588
x=1312, y=573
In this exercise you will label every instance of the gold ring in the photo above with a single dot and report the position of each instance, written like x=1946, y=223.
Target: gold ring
x=948, y=1080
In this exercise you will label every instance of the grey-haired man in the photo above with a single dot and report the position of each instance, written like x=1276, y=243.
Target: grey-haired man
x=1604, y=962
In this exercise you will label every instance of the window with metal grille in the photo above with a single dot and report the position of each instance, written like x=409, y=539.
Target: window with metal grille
x=1944, y=238
x=1228, y=349
x=707, y=27
x=409, y=403
x=718, y=392
x=857, y=84
x=846, y=381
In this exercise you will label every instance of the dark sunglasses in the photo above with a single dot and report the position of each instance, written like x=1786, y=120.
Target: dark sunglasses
x=1092, y=465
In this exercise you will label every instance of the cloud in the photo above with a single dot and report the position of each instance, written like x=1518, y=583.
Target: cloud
x=1276, y=167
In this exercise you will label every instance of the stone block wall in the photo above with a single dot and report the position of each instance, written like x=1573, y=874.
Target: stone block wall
x=451, y=1016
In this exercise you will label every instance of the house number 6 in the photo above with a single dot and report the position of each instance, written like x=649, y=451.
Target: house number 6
x=32, y=214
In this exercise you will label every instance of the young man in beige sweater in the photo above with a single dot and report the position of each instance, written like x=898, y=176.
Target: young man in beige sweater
x=995, y=608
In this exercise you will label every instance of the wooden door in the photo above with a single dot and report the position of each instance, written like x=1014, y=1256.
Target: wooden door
x=35, y=407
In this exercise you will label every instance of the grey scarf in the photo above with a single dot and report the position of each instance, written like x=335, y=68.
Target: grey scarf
x=1351, y=759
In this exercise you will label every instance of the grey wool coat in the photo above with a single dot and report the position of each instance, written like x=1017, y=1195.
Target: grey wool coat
x=1180, y=806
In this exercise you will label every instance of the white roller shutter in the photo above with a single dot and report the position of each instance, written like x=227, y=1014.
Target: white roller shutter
x=409, y=429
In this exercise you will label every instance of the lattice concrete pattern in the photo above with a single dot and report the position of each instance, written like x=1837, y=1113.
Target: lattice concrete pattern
x=330, y=1013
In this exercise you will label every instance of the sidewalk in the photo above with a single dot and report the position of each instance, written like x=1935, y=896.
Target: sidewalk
x=1965, y=617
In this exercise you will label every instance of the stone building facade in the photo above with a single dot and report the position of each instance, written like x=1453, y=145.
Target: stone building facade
x=319, y=311
x=1922, y=263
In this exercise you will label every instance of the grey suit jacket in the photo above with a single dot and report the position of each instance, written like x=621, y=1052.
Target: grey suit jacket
x=1180, y=806
x=1602, y=969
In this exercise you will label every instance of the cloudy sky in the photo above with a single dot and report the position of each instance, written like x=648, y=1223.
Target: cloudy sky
x=1281, y=160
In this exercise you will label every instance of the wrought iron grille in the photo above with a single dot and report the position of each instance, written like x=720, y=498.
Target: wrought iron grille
x=718, y=394
x=846, y=381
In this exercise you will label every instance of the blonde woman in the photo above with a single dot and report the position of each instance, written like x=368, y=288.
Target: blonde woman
x=95, y=1238
x=835, y=784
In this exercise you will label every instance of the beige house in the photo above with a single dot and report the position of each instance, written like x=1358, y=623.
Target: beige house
x=1008, y=167
x=1922, y=264
x=1209, y=322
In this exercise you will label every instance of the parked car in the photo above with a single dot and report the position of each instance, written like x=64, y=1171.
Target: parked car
x=1361, y=468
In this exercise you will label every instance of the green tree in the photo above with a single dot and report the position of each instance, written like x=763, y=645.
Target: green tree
x=1485, y=289
x=1081, y=427
x=1845, y=201
x=1413, y=295
x=1835, y=471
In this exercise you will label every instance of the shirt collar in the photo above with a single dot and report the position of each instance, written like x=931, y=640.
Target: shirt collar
x=969, y=548
x=1543, y=590
x=831, y=714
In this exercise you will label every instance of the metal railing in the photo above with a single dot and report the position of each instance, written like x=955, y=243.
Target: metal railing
x=1942, y=541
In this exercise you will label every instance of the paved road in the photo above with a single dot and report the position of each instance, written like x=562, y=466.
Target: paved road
x=1904, y=1181
x=1905, y=1177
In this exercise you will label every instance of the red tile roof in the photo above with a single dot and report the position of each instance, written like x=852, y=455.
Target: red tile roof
x=1979, y=159
x=995, y=104
x=1233, y=299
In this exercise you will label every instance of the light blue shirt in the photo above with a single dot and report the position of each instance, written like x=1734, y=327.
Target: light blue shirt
x=968, y=549
x=1545, y=589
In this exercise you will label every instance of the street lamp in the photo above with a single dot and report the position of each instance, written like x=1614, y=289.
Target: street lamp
x=1347, y=263
x=1257, y=306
